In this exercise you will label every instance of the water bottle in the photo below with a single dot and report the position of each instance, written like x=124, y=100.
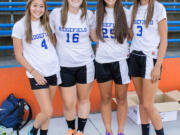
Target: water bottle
x=2, y=130
x=6, y=131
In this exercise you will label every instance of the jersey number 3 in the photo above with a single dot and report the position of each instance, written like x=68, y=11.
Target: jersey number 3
x=140, y=28
x=43, y=44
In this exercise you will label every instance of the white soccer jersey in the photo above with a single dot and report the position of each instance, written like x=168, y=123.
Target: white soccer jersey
x=110, y=50
x=73, y=42
x=40, y=54
x=147, y=39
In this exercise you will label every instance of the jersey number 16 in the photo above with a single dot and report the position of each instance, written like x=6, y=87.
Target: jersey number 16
x=75, y=38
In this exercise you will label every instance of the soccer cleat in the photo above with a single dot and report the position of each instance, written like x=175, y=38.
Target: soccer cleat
x=108, y=133
x=120, y=133
x=79, y=133
x=29, y=131
x=71, y=132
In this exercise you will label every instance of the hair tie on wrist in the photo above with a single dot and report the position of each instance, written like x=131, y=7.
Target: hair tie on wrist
x=31, y=71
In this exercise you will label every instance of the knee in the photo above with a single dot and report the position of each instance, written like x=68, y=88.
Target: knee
x=49, y=112
x=121, y=100
x=84, y=101
x=106, y=99
x=68, y=106
x=148, y=107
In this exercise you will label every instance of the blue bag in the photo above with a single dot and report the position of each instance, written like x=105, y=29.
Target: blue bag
x=12, y=112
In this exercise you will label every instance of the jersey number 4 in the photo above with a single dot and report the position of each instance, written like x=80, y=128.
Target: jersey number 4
x=43, y=44
x=140, y=28
x=75, y=38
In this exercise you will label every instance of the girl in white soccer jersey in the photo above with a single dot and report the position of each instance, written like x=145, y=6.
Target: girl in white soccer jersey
x=149, y=43
x=111, y=60
x=34, y=42
x=73, y=25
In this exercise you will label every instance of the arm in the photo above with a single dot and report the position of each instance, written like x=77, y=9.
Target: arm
x=93, y=37
x=18, y=49
x=162, y=25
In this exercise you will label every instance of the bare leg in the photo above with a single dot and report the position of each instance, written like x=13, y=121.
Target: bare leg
x=83, y=92
x=106, y=98
x=138, y=82
x=44, y=100
x=121, y=97
x=149, y=92
x=52, y=92
x=69, y=96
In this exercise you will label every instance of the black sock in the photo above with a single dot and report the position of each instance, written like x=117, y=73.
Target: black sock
x=43, y=132
x=71, y=124
x=160, y=132
x=34, y=131
x=145, y=129
x=81, y=124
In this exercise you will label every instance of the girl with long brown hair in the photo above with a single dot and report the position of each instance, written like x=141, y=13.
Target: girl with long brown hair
x=111, y=60
x=149, y=43
x=74, y=26
x=34, y=41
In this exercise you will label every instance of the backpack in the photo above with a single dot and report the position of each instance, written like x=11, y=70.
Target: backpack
x=12, y=112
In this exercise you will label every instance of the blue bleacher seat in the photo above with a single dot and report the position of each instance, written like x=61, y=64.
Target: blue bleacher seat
x=13, y=8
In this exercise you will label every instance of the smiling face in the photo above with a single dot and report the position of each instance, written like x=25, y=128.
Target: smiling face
x=75, y=3
x=110, y=3
x=37, y=9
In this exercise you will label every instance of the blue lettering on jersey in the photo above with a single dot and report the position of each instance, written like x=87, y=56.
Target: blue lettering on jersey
x=72, y=29
x=143, y=22
x=108, y=25
x=74, y=36
x=139, y=26
x=39, y=36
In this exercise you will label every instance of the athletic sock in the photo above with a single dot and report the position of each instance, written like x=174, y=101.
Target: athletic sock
x=160, y=132
x=81, y=124
x=145, y=129
x=71, y=124
x=43, y=132
x=34, y=131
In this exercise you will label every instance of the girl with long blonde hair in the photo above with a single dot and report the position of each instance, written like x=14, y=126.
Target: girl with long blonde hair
x=148, y=48
x=34, y=47
x=74, y=26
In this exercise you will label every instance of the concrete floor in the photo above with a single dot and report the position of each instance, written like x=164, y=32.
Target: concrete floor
x=95, y=126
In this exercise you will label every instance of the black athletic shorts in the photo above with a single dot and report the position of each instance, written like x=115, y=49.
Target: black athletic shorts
x=72, y=75
x=141, y=65
x=51, y=80
x=117, y=71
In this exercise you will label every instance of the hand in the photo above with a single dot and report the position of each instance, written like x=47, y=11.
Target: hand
x=155, y=74
x=38, y=78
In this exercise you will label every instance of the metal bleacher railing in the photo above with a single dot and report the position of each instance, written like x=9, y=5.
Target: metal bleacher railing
x=19, y=6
